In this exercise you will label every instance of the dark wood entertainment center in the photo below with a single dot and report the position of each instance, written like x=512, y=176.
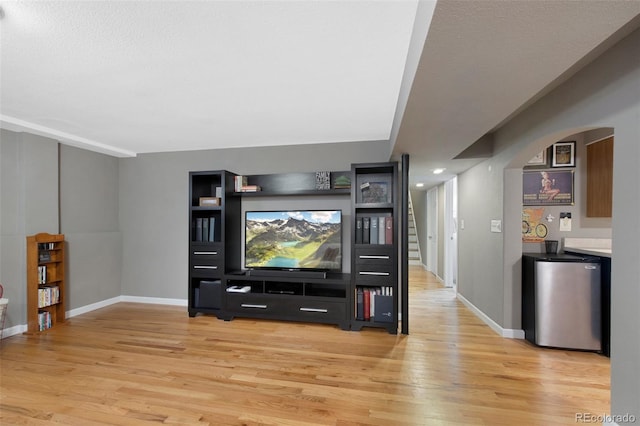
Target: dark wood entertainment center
x=218, y=285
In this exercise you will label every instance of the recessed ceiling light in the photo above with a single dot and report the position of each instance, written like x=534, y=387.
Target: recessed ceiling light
x=438, y=171
x=419, y=185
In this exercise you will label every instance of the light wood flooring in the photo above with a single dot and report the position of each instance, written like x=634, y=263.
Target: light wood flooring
x=130, y=364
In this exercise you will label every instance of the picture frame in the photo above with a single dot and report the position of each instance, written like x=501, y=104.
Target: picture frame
x=374, y=189
x=564, y=154
x=541, y=160
x=548, y=188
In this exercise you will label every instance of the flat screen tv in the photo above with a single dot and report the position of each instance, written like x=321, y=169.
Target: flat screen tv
x=293, y=240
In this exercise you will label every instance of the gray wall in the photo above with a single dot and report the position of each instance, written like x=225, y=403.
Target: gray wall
x=154, y=203
x=606, y=93
x=47, y=187
x=441, y=234
x=89, y=220
x=29, y=205
x=581, y=226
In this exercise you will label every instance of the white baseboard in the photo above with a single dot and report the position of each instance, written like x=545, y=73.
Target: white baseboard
x=154, y=300
x=92, y=307
x=12, y=331
x=18, y=329
x=504, y=332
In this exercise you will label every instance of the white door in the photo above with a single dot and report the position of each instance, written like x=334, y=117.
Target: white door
x=432, y=230
x=451, y=233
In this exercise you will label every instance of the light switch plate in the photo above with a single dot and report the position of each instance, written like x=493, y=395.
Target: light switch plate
x=496, y=225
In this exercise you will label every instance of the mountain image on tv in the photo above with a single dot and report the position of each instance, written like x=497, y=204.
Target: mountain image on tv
x=294, y=240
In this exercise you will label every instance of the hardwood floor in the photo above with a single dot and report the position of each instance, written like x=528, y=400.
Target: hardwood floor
x=130, y=364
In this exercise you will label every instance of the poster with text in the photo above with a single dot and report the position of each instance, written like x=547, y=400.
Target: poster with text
x=547, y=187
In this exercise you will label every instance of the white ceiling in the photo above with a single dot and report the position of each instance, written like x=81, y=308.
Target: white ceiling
x=133, y=77
x=139, y=76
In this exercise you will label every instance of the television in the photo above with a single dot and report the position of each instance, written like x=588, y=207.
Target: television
x=300, y=240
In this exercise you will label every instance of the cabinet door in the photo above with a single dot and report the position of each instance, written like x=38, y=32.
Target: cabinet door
x=600, y=178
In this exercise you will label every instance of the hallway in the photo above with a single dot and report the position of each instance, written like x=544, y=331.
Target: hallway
x=473, y=371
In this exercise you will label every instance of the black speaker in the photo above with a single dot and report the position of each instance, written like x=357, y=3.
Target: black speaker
x=209, y=295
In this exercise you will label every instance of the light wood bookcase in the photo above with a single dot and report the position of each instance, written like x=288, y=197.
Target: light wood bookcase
x=45, y=281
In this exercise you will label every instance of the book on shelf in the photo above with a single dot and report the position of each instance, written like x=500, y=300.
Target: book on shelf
x=198, y=233
x=384, y=308
x=373, y=229
x=366, y=222
x=367, y=304
x=205, y=229
x=250, y=188
x=212, y=229
x=359, y=304
x=388, y=220
x=48, y=296
x=374, y=304
x=238, y=182
x=42, y=274
x=44, y=320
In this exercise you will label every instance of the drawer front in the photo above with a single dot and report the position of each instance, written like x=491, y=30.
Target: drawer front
x=206, y=260
x=320, y=311
x=251, y=304
x=291, y=308
x=375, y=275
x=206, y=255
x=377, y=256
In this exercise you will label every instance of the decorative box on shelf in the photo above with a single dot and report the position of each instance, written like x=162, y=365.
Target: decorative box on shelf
x=209, y=201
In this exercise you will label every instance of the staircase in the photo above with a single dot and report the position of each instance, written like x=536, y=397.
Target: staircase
x=414, y=247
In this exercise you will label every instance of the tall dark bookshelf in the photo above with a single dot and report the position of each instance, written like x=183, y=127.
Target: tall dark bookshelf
x=214, y=248
x=374, y=259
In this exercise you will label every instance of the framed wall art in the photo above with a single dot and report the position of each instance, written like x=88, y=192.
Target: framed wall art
x=564, y=154
x=547, y=188
x=541, y=160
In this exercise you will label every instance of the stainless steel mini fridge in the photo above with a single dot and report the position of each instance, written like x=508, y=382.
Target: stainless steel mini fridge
x=561, y=301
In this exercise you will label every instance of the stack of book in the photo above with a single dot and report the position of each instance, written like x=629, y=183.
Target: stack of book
x=48, y=296
x=241, y=185
x=42, y=274
x=44, y=320
x=374, y=230
x=374, y=303
x=204, y=229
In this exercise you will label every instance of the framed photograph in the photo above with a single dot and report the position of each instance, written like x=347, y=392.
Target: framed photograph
x=374, y=188
x=375, y=192
x=541, y=160
x=564, y=154
x=547, y=188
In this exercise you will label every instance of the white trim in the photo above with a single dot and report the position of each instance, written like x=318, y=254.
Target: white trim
x=504, y=332
x=18, y=329
x=154, y=300
x=17, y=125
x=12, y=331
x=92, y=307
